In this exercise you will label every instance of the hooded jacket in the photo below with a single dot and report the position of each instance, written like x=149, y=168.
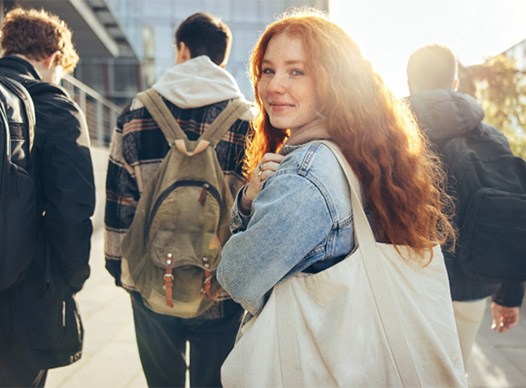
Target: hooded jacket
x=39, y=321
x=443, y=115
x=195, y=91
x=197, y=83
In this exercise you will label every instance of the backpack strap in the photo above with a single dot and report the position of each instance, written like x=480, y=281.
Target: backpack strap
x=5, y=139
x=153, y=102
x=22, y=93
x=216, y=130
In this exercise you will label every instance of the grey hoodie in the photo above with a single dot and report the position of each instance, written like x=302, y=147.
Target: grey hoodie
x=197, y=82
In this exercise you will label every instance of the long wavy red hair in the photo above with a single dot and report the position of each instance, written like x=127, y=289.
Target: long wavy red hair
x=402, y=180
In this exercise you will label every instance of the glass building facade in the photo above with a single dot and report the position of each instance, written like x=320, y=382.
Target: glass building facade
x=150, y=27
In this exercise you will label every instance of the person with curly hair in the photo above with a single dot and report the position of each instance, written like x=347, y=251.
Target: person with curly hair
x=40, y=326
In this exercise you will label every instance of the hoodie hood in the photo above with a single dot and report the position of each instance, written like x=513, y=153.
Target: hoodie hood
x=444, y=114
x=196, y=83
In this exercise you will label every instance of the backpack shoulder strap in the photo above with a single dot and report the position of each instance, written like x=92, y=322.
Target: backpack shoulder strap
x=154, y=103
x=5, y=139
x=215, y=131
x=22, y=93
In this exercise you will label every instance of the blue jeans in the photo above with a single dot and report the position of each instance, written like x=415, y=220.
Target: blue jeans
x=161, y=340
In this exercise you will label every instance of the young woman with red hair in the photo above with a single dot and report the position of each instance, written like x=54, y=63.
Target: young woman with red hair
x=294, y=216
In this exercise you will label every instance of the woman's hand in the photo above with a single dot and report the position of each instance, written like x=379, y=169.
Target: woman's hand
x=267, y=166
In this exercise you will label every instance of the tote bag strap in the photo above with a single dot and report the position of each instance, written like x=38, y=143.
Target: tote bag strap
x=390, y=317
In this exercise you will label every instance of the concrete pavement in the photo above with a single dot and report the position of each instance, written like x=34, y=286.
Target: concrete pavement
x=499, y=360
x=110, y=358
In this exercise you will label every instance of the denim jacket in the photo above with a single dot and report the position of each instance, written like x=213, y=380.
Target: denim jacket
x=300, y=221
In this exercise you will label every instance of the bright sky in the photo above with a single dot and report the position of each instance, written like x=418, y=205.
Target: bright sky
x=388, y=31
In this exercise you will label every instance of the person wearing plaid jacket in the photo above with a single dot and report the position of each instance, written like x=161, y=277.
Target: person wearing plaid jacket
x=196, y=90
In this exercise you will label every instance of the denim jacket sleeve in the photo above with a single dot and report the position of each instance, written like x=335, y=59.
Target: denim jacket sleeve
x=238, y=220
x=290, y=219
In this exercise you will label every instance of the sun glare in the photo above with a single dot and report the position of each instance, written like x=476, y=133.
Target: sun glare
x=389, y=31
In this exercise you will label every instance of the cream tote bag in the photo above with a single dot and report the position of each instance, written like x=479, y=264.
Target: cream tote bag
x=374, y=319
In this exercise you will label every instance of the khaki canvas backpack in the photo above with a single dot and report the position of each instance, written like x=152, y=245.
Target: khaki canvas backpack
x=173, y=246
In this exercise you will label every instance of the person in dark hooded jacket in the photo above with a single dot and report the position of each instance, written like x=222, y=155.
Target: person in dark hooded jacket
x=443, y=114
x=40, y=326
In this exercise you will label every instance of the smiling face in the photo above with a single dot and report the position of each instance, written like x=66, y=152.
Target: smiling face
x=286, y=87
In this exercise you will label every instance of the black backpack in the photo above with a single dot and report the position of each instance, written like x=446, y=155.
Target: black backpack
x=489, y=184
x=18, y=208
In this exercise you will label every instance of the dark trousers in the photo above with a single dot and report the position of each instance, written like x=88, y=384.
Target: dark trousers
x=16, y=373
x=162, y=341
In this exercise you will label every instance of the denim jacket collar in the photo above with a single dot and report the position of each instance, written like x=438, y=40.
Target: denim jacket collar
x=288, y=148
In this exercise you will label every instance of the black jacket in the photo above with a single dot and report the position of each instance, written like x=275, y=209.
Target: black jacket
x=445, y=114
x=39, y=322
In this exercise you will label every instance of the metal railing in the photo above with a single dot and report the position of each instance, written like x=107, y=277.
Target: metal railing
x=101, y=113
